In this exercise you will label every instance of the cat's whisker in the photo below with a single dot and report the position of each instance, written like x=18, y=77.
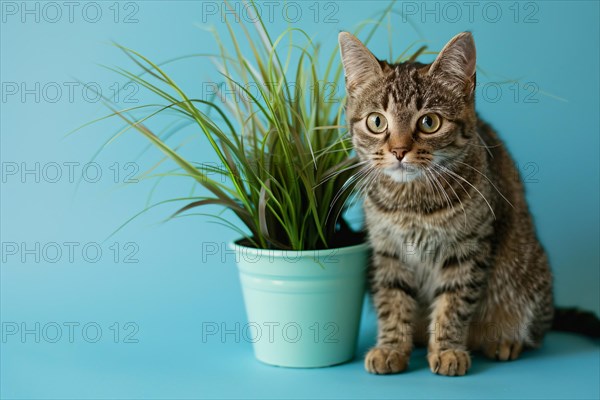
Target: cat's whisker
x=433, y=185
x=470, y=184
x=327, y=151
x=358, y=176
x=435, y=165
x=361, y=181
x=338, y=172
x=485, y=144
x=435, y=176
x=369, y=184
x=488, y=179
x=367, y=181
x=430, y=185
x=433, y=188
x=356, y=192
x=441, y=175
x=443, y=191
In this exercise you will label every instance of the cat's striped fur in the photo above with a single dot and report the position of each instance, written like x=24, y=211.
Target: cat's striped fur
x=456, y=264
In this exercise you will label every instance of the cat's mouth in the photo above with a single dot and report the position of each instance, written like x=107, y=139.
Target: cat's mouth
x=404, y=166
x=403, y=171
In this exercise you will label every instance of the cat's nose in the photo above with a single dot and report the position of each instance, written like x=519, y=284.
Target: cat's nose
x=400, y=152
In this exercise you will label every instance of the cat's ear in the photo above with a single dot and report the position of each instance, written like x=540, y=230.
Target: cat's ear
x=456, y=62
x=360, y=65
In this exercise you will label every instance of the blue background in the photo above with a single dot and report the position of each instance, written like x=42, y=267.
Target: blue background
x=175, y=286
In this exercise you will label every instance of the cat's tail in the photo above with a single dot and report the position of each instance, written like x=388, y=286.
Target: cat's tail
x=577, y=321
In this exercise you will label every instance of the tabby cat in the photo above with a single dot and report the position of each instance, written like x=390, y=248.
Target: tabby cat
x=457, y=265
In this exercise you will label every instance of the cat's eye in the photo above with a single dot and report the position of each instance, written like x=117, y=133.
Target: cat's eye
x=429, y=123
x=376, y=122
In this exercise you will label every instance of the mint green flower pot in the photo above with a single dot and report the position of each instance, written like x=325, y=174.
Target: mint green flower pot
x=303, y=307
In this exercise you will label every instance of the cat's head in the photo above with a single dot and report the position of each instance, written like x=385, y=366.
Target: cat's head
x=405, y=118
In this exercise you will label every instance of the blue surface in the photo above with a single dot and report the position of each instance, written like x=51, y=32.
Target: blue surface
x=166, y=283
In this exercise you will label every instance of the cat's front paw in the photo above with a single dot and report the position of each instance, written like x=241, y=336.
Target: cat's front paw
x=386, y=360
x=449, y=362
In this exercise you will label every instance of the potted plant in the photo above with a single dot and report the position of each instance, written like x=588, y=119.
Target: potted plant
x=288, y=173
